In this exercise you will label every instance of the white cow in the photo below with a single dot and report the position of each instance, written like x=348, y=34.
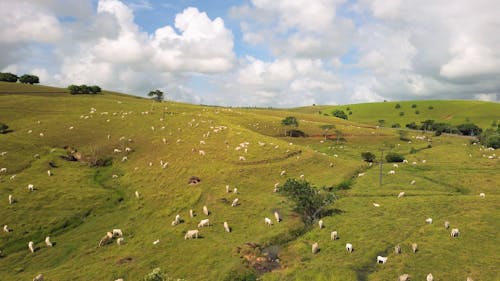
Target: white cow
x=315, y=248
x=39, y=277
x=430, y=277
x=414, y=247
x=455, y=232
x=446, y=224
x=190, y=234
x=242, y=158
x=397, y=249
x=412, y=182
x=321, y=224
x=235, y=202
x=361, y=174
x=31, y=187
x=137, y=194
x=348, y=247
x=203, y=223
x=31, y=246
x=392, y=172
x=401, y=194
x=376, y=205
x=404, y=277
x=428, y=220
x=11, y=199
x=268, y=221
x=47, y=241
x=205, y=211
x=235, y=190
x=117, y=232
x=191, y=213
x=283, y=173
x=227, y=188
x=334, y=235
x=226, y=227
x=6, y=228
x=277, y=216
x=120, y=241
x=49, y=173
x=381, y=259
x=3, y=170
x=201, y=152
x=482, y=195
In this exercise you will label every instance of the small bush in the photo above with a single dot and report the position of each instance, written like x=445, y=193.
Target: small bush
x=401, y=113
x=297, y=133
x=396, y=125
x=394, y=157
x=397, y=106
x=350, y=112
x=156, y=275
x=431, y=107
x=413, y=150
x=417, y=112
x=339, y=114
x=413, y=106
x=368, y=156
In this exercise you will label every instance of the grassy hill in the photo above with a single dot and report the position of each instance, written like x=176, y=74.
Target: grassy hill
x=79, y=203
x=446, y=111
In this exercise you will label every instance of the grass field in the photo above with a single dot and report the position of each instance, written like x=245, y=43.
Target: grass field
x=78, y=204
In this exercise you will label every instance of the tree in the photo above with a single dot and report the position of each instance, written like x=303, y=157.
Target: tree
x=309, y=201
x=413, y=106
x=289, y=121
x=339, y=114
x=368, y=156
x=326, y=128
x=491, y=138
x=469, y=129
x=156, y=95
x=29, y=79
x=338, y=135
x=397, y=106
x=403, y=135
x=95, y=89
x=8, y=77
x=394, y=157
x=381, y=122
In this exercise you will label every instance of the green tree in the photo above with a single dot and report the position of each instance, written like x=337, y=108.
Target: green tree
x=74, y=89
x=326, y=128
x=95, y=89
x=156, y=95
x=470, y=129
x=309, y=201
x=381, y=122
x=338, y=135
x=8, y=77
x=403, y=135
x=29, y=79
x=394, y=157
x=491, y=138
x=339, y=114
x=368, y=156
x=413, y=106
x=397, y=106
x=289, y=121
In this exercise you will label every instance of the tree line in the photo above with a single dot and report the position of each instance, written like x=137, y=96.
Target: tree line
x=84, y=89
x=13, y=78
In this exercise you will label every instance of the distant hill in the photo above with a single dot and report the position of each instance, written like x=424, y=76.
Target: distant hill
x=447, y=111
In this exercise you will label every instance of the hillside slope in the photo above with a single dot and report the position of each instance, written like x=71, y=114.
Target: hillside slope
x=79, y=203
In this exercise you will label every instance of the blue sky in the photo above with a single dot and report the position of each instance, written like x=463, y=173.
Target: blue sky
x=279, y=53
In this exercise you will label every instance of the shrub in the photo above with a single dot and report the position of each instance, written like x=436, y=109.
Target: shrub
x=4, y=129
x=431, y=107
x=397, y=106
x=368, y=156
x=156, y=275
x=84, y=89
x=491, y=138
x=394, y=157
x=350, y=112
x=339, y=114
x=412, y=126
x=8, y=77
x=309, y=201
x=403, y=135
x=413, y=106
x=29, y=79
x=417, y=112
x=296, y=133
x=413, y=150
x=401, y=113
x=396, y=125
x=470, y=129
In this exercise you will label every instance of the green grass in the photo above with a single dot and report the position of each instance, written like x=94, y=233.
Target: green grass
x=79, y=203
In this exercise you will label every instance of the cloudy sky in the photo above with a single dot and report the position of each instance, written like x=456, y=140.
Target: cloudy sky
x=278, y=53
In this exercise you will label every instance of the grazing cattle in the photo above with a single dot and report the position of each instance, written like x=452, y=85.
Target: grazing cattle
x=315, y=248
x=348, y=247
x=191, y=213
x=235, y=203
x=120, y=241
x=227, y=188
x=301, y=176
x=31, y=187
x=124, y=158
x=3, y=153
x=361, y=174
x=201, y=152
x=39, y=277
x=482, y=195
x=376, y=205
x=277, y=216
x=117, y=232
x=190, y=234
x=11, y=199
x=31, y=246
x=3, y=170
x=428, y=220
x=158, y=241
x=397, y=249
x=47, y=241
x=205, y=211
x=392, y=172
x=334, y=235
x=6, y=228
x=106, y=239
x=226, y=227
x=268, y=221
x=128, y=149
x=455, y=232
x=235, y=190
x=283, y=173
x=424, y=161
x=203, y=223
x=137, y=194
x=49, y=173
x=242, y=158
x=404, y=277
x=414, y=247
x=395, y=165
x=381, y=259
x=114, y=176
x=430, y=277
x=401, y=194
x=202, y=142
x=412, y=182
x=321, y=224
x=446, y=224
x=116, y=150
x=469, y=279
x=12, y=177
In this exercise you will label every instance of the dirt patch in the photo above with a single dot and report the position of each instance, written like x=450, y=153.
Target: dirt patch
x=125, y=260
x=260, y=260
x=193, y=180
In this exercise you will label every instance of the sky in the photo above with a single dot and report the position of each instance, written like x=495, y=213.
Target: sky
x=265, y=53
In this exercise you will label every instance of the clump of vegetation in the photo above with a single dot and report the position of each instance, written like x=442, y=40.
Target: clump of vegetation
x=339, y=114
x=4, y=128
x=156, y=95
x=403, y=135
x=397, y=106
x=309, y=201
x=413, y=106
x=368, y=156
x=417, y=112
x=8, y=77
x=396, y=125
x=381, y=122
x=156, y=275
x=491, y=138
x=29, y=79
x=401, y=113
x=289, y=121
x=431, y=107
x=392, y=157
x=413, y=150
x=469, y=129
x=294, y=133
x=326, y=128
x=84, y=89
